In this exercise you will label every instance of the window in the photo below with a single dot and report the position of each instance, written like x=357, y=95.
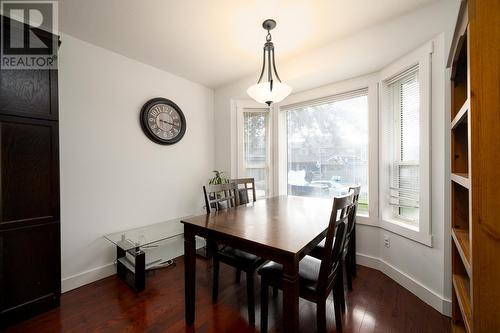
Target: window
x=256, y=145
x=327, y=146
x=404, y=189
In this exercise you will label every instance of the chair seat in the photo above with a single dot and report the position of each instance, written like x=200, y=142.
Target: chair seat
x=308, y=272
x=238, y=255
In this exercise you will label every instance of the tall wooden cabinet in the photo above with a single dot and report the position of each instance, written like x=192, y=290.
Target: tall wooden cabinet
x=30, y=274
x=475, y=167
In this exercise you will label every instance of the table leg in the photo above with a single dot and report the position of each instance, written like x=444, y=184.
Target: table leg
x=189, y=274
x=121, y=270
x=291, y=296
x=140, y=270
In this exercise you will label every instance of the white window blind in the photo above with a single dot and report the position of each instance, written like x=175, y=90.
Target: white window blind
x=404, y=189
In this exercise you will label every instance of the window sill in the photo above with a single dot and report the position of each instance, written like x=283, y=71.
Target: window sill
x=397, y=228
x=407, y=231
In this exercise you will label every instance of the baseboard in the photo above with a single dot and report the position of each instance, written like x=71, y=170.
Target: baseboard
x=89, y=276
x=415, y=287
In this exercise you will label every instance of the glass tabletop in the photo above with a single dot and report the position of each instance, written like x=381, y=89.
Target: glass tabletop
x=147, y=235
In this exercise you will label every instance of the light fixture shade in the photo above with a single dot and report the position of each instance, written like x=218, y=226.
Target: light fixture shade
x=262, y=93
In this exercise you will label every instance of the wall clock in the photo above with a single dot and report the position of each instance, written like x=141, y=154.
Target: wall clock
x=163, y=121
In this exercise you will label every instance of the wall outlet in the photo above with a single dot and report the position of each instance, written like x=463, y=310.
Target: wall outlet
x=387, y=241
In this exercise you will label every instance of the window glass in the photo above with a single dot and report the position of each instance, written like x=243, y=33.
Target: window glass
x=256, y=154
x=328, y=148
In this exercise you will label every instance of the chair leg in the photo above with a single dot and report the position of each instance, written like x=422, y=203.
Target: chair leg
x=352, y=251
x=275, y=292
x=238, y=275
x=215, y=282
x=340, y=286
x=251, y=298
x=348, y=272
x=338, y=314
x=321, y=315
x=264, y=299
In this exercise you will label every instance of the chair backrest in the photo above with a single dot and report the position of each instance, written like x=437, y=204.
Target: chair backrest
x=334, y=243
x=351, y=219
x=248, y=185
x=220, y=196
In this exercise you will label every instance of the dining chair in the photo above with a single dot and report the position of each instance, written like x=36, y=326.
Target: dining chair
x=225, y=196
x=248, y=187
x=317, y=278
x=349, y=256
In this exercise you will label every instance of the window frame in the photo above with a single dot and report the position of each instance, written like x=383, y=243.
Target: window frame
x=420, y=57
x=340, y=88
x=249, y=107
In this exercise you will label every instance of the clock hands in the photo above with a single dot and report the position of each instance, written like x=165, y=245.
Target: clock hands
x=167, y=122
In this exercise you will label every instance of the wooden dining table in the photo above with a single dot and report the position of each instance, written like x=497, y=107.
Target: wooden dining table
x=283, y=229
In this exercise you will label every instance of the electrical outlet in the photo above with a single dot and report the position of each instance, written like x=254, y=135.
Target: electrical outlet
x=387, y=241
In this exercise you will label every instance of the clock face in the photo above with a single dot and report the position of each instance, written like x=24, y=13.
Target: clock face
x=163, y=121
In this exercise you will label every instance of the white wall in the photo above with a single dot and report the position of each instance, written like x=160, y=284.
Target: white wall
x=112, y=176
x=423, y=270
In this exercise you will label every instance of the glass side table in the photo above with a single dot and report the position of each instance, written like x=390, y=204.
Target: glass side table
x=143, y=248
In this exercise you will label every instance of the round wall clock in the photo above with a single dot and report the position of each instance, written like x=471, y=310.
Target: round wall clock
x=163, y=121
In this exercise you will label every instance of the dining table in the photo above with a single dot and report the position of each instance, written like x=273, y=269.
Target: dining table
x=283, y=229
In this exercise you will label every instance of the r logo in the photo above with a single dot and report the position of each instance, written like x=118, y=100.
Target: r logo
x=27, y=29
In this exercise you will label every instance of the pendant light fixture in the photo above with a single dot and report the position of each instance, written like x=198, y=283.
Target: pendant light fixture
x=269, y=89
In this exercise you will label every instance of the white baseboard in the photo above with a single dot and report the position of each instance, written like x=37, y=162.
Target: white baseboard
x=80, y=279
x=417, y=288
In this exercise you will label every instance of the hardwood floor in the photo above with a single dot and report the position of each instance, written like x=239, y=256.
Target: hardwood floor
x=376, y=304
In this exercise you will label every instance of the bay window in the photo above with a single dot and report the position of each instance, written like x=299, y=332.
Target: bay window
x=332, y=137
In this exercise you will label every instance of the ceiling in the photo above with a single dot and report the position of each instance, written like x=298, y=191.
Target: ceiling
x=214, y=42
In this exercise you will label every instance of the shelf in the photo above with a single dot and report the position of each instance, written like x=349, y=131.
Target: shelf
x=461, y=179
x=460, y=147
x=461, y=115
x=462, y=286
x=461, y=238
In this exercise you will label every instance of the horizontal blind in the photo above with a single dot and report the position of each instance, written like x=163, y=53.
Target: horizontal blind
x=326, y=99
x=404, y=190
x=401, y=75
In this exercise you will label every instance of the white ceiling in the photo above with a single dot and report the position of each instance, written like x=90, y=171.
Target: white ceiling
x=213, y=42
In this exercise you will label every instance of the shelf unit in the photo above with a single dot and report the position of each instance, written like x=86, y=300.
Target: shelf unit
x=460, y=180
x=475, y=168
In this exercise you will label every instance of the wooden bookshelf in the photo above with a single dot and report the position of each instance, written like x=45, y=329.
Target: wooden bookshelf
x=475, y=168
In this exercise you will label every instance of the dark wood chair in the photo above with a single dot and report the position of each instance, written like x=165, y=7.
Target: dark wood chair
x=246, y=186
x=246, y=194
x=225, y=196
x=349, y=257
x=220, y=196
x=317, y=278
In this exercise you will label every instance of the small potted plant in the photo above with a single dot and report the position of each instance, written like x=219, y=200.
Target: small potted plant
x=218, y=178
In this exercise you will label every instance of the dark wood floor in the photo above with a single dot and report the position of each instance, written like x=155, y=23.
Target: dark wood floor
x=377, y=304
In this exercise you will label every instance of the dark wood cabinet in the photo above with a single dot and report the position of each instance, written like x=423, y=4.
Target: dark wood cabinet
x=30, y=259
